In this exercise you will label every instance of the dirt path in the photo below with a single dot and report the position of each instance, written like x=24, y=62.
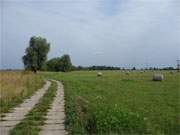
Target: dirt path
x=55, y=117
x=18, y=113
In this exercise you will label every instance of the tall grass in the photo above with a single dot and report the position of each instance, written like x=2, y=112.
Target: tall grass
x=15, y=86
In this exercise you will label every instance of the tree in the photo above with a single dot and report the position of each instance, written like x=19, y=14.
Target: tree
x=36, y=53
x=66, y=63
x=60, y=64
x=54, y=64
x=134, y=68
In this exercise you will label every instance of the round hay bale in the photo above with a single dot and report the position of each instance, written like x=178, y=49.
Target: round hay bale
x=158, y=77
x=99, y=74
x=128, y=72
x=171, y=72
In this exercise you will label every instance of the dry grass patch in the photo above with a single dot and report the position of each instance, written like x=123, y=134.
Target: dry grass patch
x=15, y=86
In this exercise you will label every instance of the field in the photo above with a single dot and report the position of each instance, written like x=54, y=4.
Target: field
x=120, y=103
x=16, y=86
x=116, y=103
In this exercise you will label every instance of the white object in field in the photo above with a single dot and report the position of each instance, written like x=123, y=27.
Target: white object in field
x=127, y=72
x=99, y=74
x=158, y=77
x=172, y=72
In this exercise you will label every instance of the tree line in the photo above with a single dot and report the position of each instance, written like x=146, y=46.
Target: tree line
x=35, y=57
x=97, y=68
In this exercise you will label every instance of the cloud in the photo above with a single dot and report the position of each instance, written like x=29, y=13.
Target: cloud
x=117, y=32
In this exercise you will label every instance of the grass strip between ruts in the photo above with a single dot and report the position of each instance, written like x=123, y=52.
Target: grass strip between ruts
x=36, y=117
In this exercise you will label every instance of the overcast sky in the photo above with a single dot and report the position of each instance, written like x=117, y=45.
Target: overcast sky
x=122, y=33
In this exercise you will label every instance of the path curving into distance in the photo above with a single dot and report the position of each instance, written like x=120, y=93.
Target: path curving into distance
x=18, y=113
x=54, y=125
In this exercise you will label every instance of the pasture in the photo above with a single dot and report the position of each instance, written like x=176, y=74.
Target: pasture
x=113, y=103
x=120, y=103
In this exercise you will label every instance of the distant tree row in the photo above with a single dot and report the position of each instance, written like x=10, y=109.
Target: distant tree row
x=164, y=68
x=118, y=68
x=97, y=68
x=35, y=57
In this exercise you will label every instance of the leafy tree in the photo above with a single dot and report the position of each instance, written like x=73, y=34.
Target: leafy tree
x=36, y=53
x=60, y=64
x=54, y=64
x=134, y=68
x=66, y=63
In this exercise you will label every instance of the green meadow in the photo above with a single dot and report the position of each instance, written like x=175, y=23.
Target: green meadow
x=117, y=103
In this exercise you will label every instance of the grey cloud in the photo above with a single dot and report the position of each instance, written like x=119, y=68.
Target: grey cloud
x=121, y=33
